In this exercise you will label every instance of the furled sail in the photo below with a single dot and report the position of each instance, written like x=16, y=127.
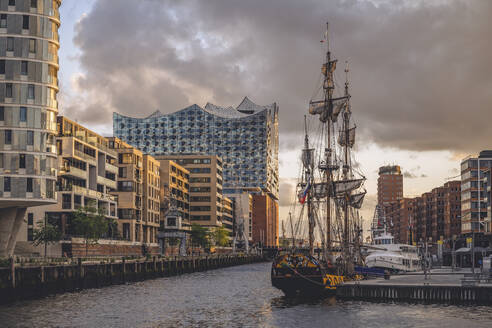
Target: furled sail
x=308, y=157
x=344, y=186
x=351, y=137
x=322, y=109
x=337, y=108
x=357, y=199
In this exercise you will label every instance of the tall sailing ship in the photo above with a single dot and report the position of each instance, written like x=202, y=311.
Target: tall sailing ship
x=330, y=192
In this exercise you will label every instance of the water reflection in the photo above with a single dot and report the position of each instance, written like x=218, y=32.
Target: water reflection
x=234, y=297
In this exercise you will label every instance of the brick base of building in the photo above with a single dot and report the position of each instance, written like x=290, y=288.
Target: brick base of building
x=77, y=248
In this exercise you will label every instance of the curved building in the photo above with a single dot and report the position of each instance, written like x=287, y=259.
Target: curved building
x=29, y=45
x=245, y=138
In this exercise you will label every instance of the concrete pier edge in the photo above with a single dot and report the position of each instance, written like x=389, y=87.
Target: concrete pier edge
x=30, y=282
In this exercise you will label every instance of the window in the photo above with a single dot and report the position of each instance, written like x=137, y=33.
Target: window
x=24, y=67
x=3, y=20
x=34, y=3
x=2, y=66
x=8, y=137
x=23, y=114
x=30, y=219
x=2, y=113
x=30, y=138
x=11, y=2
x=32, y=45
x=10, y=44
x=29, y=185
x=8, y=90
x=30, y=91
x=6, y=184
x=25, y=22
x=22, y=161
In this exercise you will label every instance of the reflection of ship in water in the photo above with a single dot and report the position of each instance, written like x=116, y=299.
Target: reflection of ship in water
x=330, y=192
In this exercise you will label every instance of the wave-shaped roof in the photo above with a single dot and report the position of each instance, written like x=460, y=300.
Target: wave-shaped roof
x=244, y=109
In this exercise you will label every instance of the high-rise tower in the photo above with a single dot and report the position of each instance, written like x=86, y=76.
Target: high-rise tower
x=390, y=184
x=29, y=45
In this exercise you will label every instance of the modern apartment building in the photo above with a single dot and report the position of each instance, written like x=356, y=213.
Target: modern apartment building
x=175, y=197
x=433, y=216
x=228, y=215
x=474, y=203
x=87, y=174
x=265, y=220
x=205, y=187
x=28, y=107
x=151, y=198
x=390, y=184
x=129, y=190
x=245, y=138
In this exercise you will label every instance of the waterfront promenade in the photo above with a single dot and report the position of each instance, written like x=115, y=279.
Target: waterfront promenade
x=440, y=286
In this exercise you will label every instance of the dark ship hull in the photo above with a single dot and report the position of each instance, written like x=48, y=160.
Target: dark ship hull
x=302, y=275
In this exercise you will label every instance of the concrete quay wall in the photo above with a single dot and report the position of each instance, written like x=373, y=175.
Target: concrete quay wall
x=26, y=282
x=417, y=293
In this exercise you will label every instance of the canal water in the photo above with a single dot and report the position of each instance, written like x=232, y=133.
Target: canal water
x=233, y=297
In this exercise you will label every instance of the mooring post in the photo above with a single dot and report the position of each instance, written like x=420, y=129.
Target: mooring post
x=12, y=270
x=80, y=272
x=123, y=269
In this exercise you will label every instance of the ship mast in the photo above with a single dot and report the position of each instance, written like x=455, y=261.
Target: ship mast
x=328, y=91
x=308, y=163
x=346, y=122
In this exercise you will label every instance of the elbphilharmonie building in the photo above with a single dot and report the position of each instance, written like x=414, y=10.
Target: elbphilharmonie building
x=245, y=138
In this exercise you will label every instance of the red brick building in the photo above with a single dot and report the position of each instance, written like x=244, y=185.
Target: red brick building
x=436, y=215
x=265, y=220
x=390, y=184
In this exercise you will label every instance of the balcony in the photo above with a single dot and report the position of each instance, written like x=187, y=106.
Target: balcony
x=85, y=156
x=74, y=172
x=88, y=192
x=112, y=168
x=107, y=182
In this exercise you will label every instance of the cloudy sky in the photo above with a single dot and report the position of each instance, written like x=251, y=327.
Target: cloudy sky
x=420, y=71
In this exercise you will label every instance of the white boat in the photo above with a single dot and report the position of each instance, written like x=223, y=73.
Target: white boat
x=385, y=254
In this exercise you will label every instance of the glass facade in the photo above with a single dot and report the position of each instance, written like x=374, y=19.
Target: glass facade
x=28, y=86
x=245, y=138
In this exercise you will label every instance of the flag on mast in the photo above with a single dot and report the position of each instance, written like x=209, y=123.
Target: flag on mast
x=303, y=195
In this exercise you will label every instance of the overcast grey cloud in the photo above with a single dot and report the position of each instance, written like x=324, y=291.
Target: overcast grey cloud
x=421, y=77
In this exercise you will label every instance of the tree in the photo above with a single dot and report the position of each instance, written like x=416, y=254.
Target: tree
x=46, y=233
x=90, y=224
x=221, y=236
x=199, y=235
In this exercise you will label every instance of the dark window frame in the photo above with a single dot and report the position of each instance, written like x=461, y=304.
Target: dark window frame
x=10, y=43
x=29, y=187
x=9, y=90
x=30, y=138
x=22, y=161
x=25, y=22
x=24, y=67
x=23, y=114
x=7, y=184
x=3, y=21
x=8, y=137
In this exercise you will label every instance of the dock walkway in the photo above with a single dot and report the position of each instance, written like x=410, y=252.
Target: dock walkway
x=441, y=286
